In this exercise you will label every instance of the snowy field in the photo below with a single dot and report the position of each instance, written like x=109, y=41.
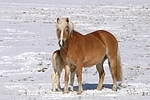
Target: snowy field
x=28, y=39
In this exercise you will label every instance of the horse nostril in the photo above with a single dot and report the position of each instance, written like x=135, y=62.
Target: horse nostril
x=63, y=41
x=59, y=43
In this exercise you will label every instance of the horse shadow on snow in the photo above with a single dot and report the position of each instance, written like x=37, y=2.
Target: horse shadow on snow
x=89, y=86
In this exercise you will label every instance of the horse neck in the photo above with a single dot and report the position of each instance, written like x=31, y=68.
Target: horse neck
x=75, y=34
x=72, y=38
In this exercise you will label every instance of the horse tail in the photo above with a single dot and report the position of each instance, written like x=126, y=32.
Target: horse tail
x=119, y=67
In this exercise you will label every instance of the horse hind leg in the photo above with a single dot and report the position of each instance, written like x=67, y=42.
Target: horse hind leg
x=113, y=71
x=58, y=81
x=53, y=81
x=116, y=70
x=101, y=72
x=60, y=66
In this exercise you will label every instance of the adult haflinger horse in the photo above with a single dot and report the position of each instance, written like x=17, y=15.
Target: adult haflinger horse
x=88, y=50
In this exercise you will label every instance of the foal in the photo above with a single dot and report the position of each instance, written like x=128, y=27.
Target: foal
x=58, y=65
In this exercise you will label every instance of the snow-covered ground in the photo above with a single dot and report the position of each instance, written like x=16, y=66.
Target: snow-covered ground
x=28, y=39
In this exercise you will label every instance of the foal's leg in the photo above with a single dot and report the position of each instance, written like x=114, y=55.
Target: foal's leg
x=67, y=70
x=53, y=81
x=113, y=69
x=101, y=72
x=58, y=81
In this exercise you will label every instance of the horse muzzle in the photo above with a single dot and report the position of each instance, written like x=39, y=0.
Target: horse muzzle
x=61, y=42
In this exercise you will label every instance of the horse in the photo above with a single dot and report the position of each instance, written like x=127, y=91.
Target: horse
x=86, y=51
x=58, y=65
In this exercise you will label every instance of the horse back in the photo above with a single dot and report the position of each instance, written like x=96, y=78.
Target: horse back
x=108, y=39
x=57, y=62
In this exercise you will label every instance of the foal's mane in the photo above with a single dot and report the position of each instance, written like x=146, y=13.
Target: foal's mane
x=63, y=23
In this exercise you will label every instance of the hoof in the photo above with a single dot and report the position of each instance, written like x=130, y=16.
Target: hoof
x=71, y=89
x=79, y=92
x=53, y=90
x=114, y=89
x=99, y=89
x=65, y=92
x=59, y=90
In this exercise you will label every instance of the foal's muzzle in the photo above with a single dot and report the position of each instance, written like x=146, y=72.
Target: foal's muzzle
x=61, y=43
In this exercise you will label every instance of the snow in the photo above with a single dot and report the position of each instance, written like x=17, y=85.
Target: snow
x=28, y=39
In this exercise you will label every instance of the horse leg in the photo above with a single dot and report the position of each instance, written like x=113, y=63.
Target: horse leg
x=72, y=80
x=79, y=73
x=53, y=81
x=101, y=72
x=113, y=69
x=58, y=81
x=59, y=70
x=73, y=72
x=67, y=71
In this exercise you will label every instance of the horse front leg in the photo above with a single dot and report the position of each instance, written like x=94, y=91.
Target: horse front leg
x=72, y=80
x=73, y=71
x=67, y=71
x=79, y=72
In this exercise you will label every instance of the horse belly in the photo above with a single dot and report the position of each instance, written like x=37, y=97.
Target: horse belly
x=93, y=61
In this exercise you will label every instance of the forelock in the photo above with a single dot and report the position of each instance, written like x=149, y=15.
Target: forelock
x=62, y=24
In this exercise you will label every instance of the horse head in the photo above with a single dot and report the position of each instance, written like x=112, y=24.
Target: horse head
x=64, y=30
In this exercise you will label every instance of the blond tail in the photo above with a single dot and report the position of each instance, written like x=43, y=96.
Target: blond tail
x=119, y=67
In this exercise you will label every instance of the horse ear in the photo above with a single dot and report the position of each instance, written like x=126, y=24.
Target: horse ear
x=58, y=20
x=67, y=20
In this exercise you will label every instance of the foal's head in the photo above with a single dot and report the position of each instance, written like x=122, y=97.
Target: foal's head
x=64, y=30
